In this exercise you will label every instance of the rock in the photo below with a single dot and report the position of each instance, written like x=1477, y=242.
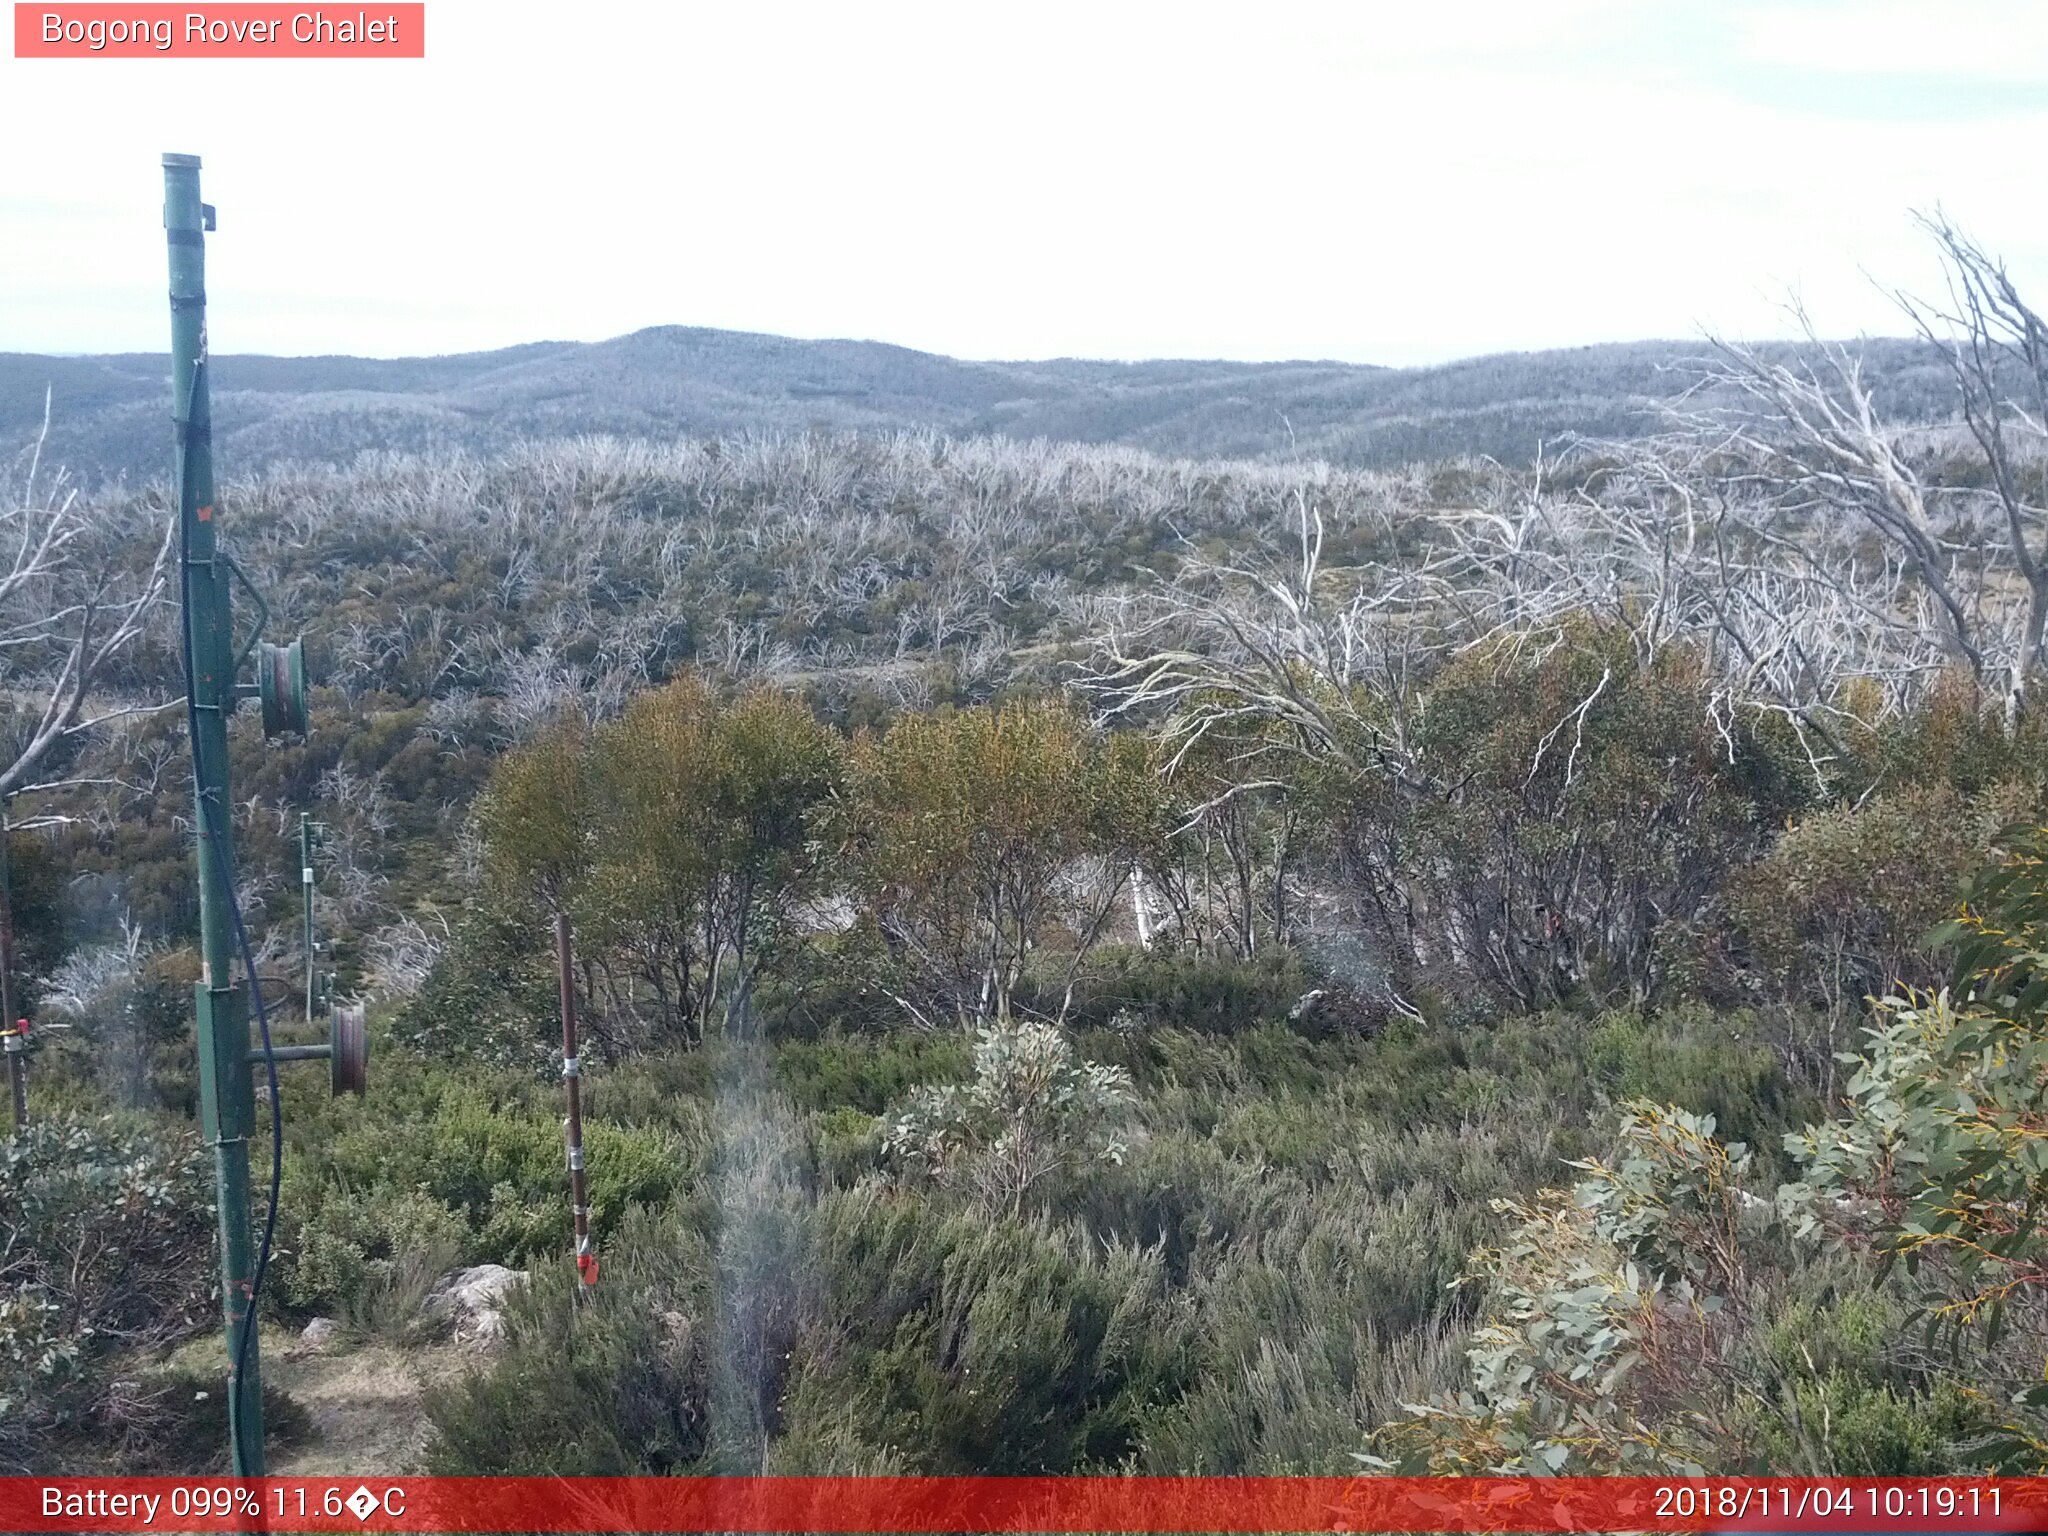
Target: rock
x=675, y=1328
x=485, y=1286
x=1307, y=1005
x=474, y=1301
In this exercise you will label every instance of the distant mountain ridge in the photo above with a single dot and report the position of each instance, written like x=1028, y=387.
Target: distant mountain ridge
x=110, y=413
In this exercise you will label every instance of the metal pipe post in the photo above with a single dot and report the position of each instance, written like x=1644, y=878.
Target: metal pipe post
x=227, y=1099
x=306, y=886
x=572, y=1078
x=13, y=1032
x=13, y=1044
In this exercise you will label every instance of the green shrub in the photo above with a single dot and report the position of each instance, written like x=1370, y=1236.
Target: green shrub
x=990, y=1346
x=1030, y=1118
x=859, y=1330
x=1212, y=994
x=1942, y=1155
x=1711, y=1063
x=354, y=1246
x=487, y=1149
x=106, y=1231
x=1605, y=1307
x=656, y=1089
x=867, y=1072
x=608, y=1379
x=833, y=984
x=1842, y=1388
x=1331, y=1314
x=848, y=1145
x=124, y=1017
x=1580, y=802
x=492, y=999
x=1840, y=908
x=146, y=1422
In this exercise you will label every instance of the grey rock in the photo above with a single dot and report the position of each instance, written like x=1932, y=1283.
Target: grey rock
x=473, y=1300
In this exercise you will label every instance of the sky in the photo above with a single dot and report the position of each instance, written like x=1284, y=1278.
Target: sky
x=1365, y=180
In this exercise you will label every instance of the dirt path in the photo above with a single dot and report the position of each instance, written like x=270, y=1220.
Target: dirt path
x=364, y=1404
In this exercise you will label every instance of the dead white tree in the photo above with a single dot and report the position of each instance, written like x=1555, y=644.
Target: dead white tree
x=1250, y=672
x=1664, y=540
x=1804, y=437
x=1284, y=659
x=1997, y=349
x=71, y=601
x=1955, y=549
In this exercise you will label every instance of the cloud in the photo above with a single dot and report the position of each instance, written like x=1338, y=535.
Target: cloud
x=1380, y=183
x=2004, y=41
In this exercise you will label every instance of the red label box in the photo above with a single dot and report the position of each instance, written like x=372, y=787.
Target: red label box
x=803, y=1506
x=223, y=31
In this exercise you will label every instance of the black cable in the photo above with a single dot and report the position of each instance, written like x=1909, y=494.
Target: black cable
x=276, y=1123
x=234, y=906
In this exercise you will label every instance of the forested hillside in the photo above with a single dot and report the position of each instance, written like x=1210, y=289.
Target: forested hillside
x=1082, y=948
x=655, y=384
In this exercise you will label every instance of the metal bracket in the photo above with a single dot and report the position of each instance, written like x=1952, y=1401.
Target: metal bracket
x=346, y=1050
x=262, y=610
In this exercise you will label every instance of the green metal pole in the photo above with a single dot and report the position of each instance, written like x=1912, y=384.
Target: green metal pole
x=11, y=1034
x=227, y=1099
x=306, y=886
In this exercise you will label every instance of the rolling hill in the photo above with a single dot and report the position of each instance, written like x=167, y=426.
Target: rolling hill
x=110, y=412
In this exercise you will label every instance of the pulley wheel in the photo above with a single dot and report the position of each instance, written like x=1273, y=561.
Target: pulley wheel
x=350, y=1056
x=281, y=685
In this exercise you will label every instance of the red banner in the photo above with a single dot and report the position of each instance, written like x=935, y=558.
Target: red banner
x=1052, y=1504
x=223, y=31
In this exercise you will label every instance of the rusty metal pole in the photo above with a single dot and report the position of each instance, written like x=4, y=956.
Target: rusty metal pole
x=572, y=1077
x=15, y=1040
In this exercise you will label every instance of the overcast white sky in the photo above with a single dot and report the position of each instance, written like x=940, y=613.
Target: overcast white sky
x=1378, y=182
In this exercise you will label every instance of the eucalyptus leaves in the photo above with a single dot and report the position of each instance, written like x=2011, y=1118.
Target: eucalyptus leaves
x=1033, y=1111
